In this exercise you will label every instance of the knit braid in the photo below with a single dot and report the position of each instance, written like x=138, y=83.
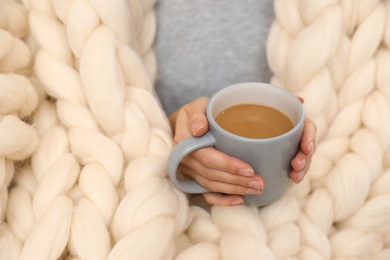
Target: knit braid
x=97, y=181
x=84, y=141
x=18, y=139
x=346, y=94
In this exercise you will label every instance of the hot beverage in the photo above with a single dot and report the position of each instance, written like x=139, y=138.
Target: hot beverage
x=254, y=121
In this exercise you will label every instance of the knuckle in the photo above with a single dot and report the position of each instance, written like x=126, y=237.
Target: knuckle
x=211, y=175
x=177, y=139
x=197, y=103
x=239, y=181
x=212, y=187
x=205, y=160
x=208, y=200
x=202, y=99
x=238, y=190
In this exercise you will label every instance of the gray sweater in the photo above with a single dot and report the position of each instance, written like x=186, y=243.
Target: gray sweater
x=205, y=45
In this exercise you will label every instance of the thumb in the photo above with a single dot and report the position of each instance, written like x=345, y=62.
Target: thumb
x=198, y=123
x=199, y=127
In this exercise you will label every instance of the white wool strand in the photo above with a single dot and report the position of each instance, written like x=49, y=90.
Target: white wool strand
x=283, y=211
x=373, y=216
x=67, y=89
x=155, y=247
x=284, y=241
x=25, y=179
x=348, y=184
x=102, y=81
x=60, y=178
x=201, y=227
x=7, y=171
x=61, y=8
x=314, y=45
x=367, y=145
x=89, y=238
x=73, y=115
x=116, y=16
x=17, y=139
x=313, y=237
x=81, y=20
x=376, y=116
x=353, y=243
x=13, y=18
x=96, y=185
x=14, y=54
x=358, y=85
x=44, y=27
x=51, y=147
x=17, y=95
x=319, y=209
x=238, y=244
x=367, y=38
x=383, y=70
x=226, y=219
x=54, y=228
x=10, y=246
x=206, y=251
x=20, y=217
x=381, y=184
x=89, y=146
x=143, y=204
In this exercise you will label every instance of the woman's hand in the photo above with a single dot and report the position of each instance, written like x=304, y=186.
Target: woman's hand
x=229, y=178
x=302, y=160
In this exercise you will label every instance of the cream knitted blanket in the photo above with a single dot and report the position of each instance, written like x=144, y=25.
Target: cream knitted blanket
x=84, y=141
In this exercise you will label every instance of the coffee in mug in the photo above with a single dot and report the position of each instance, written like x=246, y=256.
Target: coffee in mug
x=254, y=121
x=270, y=157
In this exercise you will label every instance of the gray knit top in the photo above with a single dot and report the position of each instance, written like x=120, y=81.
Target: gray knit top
x=204, y=45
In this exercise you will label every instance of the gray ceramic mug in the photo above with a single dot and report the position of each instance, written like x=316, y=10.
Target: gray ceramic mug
x=269, y=157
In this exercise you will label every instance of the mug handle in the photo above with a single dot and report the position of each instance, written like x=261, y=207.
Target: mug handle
x=181, y=150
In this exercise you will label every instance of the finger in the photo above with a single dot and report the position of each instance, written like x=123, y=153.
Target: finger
x=298, y=176
x=308, y=137
x=214, y=159
x=301, y=165
x=300, y=161
x=251, y=185
x=210, y=158
x=218, y=199
x=301, y=99
x=181, y=129
x=197, y=120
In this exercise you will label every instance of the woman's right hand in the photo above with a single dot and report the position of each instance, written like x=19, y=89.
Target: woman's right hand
x=227, y=177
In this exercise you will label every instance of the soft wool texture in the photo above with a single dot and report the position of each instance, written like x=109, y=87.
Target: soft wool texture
x=84, y=141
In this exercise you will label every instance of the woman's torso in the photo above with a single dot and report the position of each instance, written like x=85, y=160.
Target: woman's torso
x=202, y=46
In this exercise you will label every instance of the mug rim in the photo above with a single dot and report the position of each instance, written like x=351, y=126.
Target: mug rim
x=216, y=126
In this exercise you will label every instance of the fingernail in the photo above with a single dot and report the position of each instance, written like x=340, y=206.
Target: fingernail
x=300, y=176
x=253, y=191
x=237, y=202
x=256, y=185
x=246, y=172
x=311, y=148
x=196, y=126
x=301, y=164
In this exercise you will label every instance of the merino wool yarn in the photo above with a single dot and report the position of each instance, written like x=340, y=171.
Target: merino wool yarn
x=84, y=141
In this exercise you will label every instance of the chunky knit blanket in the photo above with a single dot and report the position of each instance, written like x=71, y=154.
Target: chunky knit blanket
x=84, y=141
